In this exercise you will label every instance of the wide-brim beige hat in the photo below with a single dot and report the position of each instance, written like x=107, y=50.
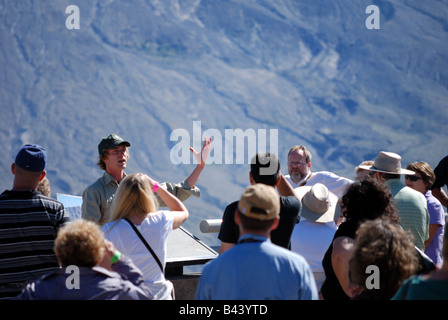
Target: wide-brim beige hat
x=387, y=162
x=318, y=203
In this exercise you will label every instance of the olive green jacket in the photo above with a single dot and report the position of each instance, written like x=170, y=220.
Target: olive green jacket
x=97, y=198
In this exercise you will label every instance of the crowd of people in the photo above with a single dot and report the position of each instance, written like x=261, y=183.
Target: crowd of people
x=302, y=236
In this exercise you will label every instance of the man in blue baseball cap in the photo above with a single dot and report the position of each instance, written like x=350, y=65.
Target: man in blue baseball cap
x=29, y=222
x=32, y=157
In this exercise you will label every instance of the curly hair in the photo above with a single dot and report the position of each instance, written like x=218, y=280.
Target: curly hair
x=44, y=187
x=79, y=243
x=368, y=199
x=385, y=245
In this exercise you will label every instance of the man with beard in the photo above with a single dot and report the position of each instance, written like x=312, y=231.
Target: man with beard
x=299, y=168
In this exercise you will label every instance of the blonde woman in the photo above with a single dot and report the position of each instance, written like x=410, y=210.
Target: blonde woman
x=134, y=210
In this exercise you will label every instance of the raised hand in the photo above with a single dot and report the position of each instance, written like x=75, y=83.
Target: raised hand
x=201, y=157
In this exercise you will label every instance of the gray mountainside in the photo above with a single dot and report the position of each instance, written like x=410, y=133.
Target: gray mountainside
x=310, y=70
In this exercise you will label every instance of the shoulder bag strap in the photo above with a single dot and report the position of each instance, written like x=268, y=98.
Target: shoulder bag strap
x=145, y=243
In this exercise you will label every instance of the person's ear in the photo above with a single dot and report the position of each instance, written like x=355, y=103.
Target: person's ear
x=42, y=176
x=278, y=180
x=251, y=179
x=237, y=218
x=275, y=224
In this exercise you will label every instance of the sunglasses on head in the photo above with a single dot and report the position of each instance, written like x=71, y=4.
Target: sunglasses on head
x=412, y=178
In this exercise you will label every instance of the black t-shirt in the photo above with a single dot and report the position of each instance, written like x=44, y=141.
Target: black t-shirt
x=290, y=208
x=331, y=288
x=441, y=172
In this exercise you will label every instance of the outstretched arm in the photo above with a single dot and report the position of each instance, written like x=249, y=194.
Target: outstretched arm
x=186, y=188
x=284, y=187
x=200, y=157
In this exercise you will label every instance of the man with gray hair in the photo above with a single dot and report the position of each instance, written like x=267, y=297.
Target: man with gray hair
x=300, y=174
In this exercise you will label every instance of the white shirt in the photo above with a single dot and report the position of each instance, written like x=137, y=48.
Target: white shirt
x=311, y=240
x=155, y=229
x=336, y=184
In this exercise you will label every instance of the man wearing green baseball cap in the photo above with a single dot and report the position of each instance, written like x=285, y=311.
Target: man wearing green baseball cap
x=113, y=156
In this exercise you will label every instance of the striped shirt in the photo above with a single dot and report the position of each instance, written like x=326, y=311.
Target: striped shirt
x=29, y=223
x=413, y=211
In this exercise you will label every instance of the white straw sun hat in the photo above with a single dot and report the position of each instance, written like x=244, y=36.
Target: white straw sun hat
x=318, y=203
x=387, y=162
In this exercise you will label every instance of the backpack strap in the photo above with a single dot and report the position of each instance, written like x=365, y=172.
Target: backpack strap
x=145, y=243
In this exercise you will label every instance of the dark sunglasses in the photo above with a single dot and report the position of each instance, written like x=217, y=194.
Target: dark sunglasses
x=412, y=178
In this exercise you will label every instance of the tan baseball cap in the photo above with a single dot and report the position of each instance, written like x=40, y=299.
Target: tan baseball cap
x=260, y=201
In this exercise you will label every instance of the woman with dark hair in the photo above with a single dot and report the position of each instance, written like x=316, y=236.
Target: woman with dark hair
x=366, y=199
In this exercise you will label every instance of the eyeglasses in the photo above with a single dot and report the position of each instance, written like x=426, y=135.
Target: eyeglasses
x=412, y=178
x=296, y=163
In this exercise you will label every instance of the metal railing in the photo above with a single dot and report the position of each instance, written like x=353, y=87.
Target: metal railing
x=210, y=225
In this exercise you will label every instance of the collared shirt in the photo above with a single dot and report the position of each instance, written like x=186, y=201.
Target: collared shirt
x=256, y=269
x=125, y=282
x=436, y=216
x=336, y=184
x=299, y=183
x=413, y=211
x=311, y=240
x=98, y=197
